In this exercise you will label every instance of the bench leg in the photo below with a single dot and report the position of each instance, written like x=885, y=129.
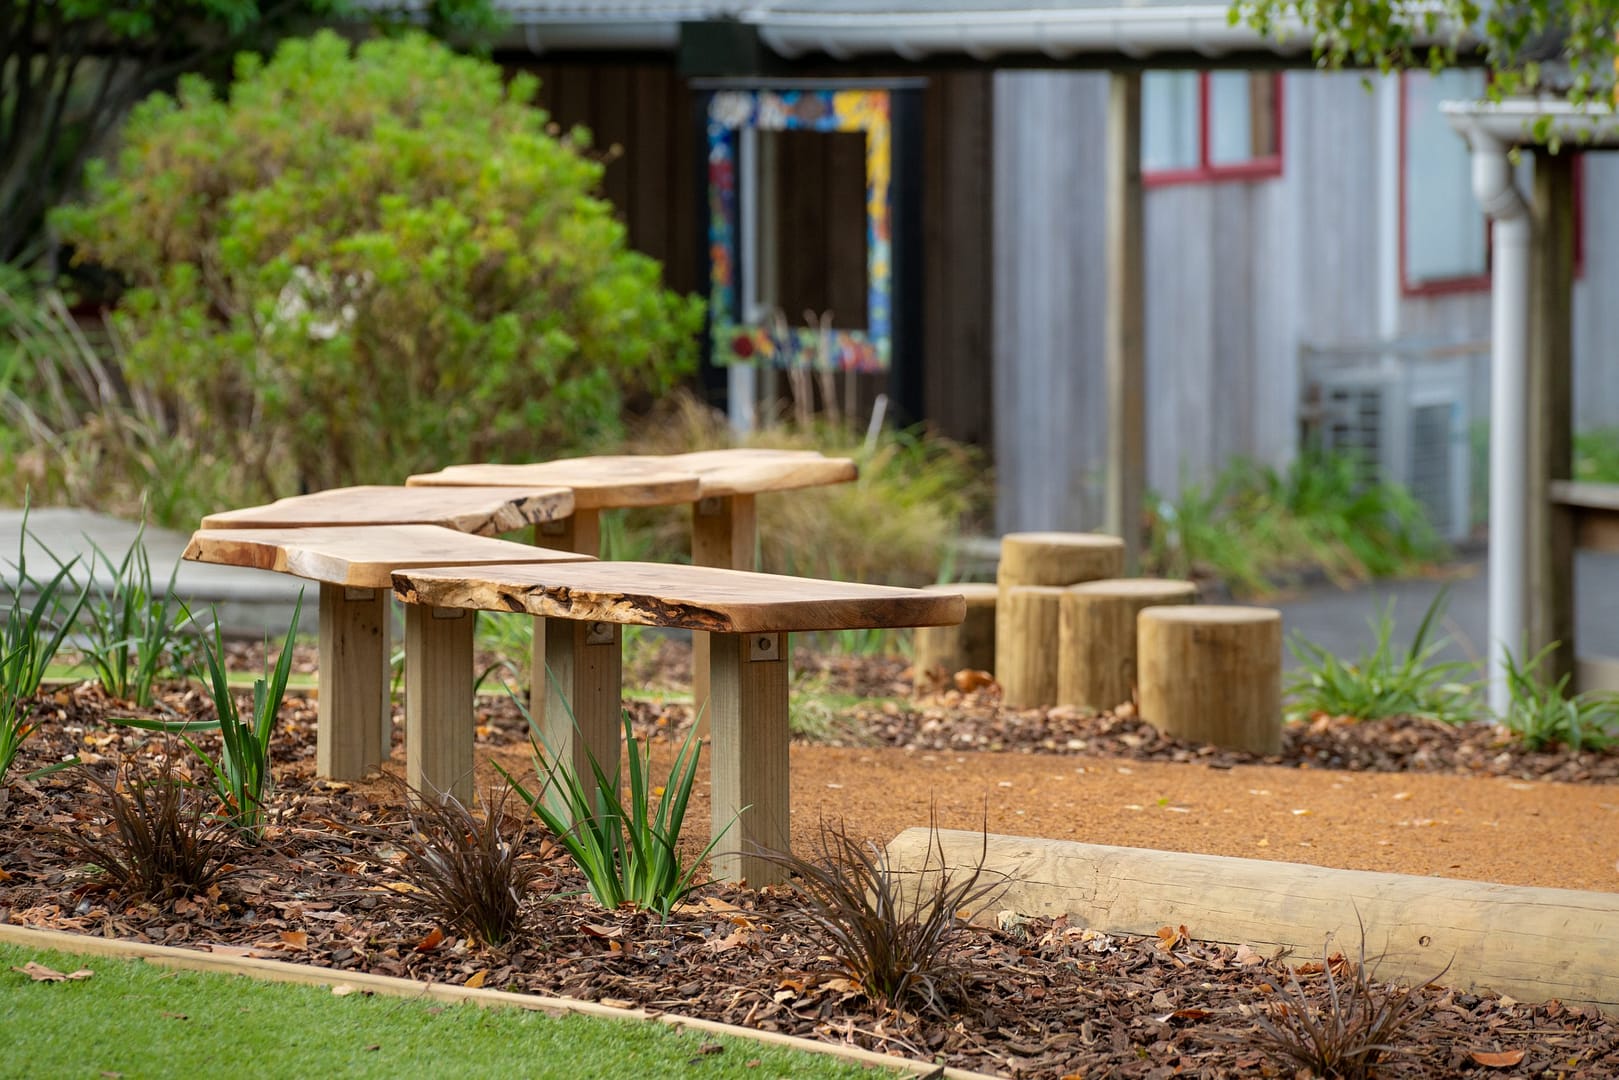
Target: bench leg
x=353, y=681
x=748, y=712
x=579, y=533
x=583, y=715
x=724, y=533
x=438, y=700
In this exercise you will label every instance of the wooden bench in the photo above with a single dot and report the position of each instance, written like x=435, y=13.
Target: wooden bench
x=479, y=511
x=353, y=566
x=721, y=486
x=748, y=616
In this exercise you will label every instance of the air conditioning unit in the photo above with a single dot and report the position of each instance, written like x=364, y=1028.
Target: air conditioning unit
x=1405, y=410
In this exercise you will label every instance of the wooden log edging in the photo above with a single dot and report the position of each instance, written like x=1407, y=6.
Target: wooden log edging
x=169, y=956
x=1531, y=943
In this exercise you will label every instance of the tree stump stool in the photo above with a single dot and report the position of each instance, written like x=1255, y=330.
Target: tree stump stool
x=1031, y=625
x=1047, y=558
x=1096, y=662
x=969, y=645
x=1212, y=674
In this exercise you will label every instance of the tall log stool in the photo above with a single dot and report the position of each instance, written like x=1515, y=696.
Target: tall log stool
x=1096, y=664
x=970, y=644
x=480, y=511
x=1213, y=674
x=353, y=567
x=721, y=486
x=1043, y=559
x=749, y=616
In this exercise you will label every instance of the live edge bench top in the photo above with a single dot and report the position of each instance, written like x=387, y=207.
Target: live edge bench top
x=689, y=597
x=361, y=556
x=660, y=480
x=597, y=483
x=485, y=511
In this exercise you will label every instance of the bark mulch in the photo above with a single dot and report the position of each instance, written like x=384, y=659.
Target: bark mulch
x=1031, y=997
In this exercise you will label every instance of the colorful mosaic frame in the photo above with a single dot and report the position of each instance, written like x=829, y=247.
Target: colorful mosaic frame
x=738, y=342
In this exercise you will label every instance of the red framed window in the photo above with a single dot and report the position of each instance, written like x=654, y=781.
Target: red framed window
x=1444, y=235
x=1205, y=126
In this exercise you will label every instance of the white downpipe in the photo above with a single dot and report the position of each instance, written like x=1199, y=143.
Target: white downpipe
x=1509, y=394
x=742, y=380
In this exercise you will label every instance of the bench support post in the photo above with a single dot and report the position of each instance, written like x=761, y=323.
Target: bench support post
x=580, y=533
x=748, y=715
x=438, y=700
x=583, y=707
x=724, y=533
x=353, y=707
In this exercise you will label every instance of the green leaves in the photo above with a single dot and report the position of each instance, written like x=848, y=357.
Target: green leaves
x=628, y=853
x=1384, y=683
x=1543, y=714
x=368, y=262
x=130, y=631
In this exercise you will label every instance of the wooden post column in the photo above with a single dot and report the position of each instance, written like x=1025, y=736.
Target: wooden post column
x=438, y=700
x=1549, y=530
x=580, y=533
x=748, y=713
x=353, y=681
x=724, y=533
x=1126, y=354
x=583, y=702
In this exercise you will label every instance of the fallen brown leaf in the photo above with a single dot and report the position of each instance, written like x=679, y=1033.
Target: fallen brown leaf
x=1496, y=1059
x=41, y=973
x=431, y=941
x=298, y=939
x=477, y=979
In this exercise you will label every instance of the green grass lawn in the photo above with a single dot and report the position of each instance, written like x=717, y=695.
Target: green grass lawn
x=132, y=1019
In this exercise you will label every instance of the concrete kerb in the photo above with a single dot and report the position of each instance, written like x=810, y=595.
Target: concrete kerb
x=283, y=971
x=1534, y=944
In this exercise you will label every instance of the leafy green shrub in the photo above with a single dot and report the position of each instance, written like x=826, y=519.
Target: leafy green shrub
x=1383, y=682
x=1542, y=714
x=164, y=840
x=367, y=263
x=628, y=854
x=130, y=632
x=1255, y=525
x=888, y=929
x=241, y=773
x=1596, y=455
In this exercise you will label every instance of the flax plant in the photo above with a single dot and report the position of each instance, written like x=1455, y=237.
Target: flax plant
x=241, y=773
x=629, y=853
x=131, y=631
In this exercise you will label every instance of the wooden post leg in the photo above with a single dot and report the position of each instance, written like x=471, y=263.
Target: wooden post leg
x=580, y=533
x=748, y=757
x=385, y=732
x=582, y=715
x=353, y=676
x=724, y=533
x=438, y=700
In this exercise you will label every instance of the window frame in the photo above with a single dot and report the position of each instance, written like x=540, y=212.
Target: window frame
x=1448, y=286
x=1207, y=171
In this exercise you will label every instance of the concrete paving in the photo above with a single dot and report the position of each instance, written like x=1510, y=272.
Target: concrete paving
x=253, y=602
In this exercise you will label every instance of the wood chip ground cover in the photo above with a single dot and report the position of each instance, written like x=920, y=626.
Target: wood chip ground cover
x=1037, y=997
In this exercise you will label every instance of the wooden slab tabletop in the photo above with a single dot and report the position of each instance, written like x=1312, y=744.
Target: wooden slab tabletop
x=755, y=470
x=692, y=597
x=361, y=556
x=598, y=483
x=486, y=511
x=1585, y=494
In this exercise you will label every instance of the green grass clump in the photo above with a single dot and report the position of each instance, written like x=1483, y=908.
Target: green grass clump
x=154, y=1022
x=1384, y=682
x=131, y=632
x=1253, y=525
x=1543, y=714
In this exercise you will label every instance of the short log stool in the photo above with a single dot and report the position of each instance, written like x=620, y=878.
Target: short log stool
x=1096, y=664
x=749, y=616
x=1043, y=558
x=1028, y=642
x=353, y=567
x=1213, y=674
x=967, y=645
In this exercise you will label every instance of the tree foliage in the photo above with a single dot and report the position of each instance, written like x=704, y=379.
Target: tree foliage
x=365, y=263
x=1566, y=45
x=71, y=69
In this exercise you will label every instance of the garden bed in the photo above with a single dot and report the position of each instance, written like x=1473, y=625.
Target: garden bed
x=1037, y=997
